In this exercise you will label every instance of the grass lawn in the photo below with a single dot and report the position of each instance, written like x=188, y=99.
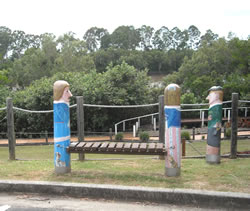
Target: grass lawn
x=36, y=163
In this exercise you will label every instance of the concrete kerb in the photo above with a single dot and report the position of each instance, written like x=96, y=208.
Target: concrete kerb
x=198, y=198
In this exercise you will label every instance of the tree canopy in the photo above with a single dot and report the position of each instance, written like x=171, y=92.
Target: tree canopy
x=113, y=68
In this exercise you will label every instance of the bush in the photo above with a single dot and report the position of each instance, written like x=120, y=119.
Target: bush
x=185, y=135
x=144, y=136
x=228, y=133
x=119, y=136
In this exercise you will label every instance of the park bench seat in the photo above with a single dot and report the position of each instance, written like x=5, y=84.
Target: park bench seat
x=117, y=148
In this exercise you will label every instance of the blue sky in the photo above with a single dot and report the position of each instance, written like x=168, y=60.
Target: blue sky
x=61, y=16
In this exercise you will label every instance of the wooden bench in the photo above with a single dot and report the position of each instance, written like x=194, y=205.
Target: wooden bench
x=117, y=148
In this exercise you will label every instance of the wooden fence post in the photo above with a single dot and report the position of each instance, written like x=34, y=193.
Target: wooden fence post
x=11, y=129
x=46, y=137
x=193, y=133
x=161, y=120
x=183, y=144
x=110, y=134
x=80, y=123
x=234, y=125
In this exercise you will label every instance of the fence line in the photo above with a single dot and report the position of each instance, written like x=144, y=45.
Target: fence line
x=29, y=111
x=122, y=106
x=3, y=119
x=244, y=101
x=4, y=108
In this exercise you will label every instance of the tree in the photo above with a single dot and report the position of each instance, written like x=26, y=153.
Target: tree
x=157, y=61
x=209, y=37
x=5, y=41
x=216, y=64
x=125, y=37
x=93, y=37
x=162, y=39
x=135, y=58
x=73, y=55
x=179, y=38
x=193, y=37
x=240, y=53
x=21, y=42
x=146, y=34
x=104, y=57
x=35, y=63
x=125, y=85
x=120, y=85
x=106, y=41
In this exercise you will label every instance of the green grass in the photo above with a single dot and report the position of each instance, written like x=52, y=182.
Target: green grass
x=36, y=163
x=196, y=148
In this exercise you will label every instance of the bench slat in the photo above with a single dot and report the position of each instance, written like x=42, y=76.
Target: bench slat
x=72, y=146
x=80, y=146
x=159, y=147
x=87, y=147
x=135, y=147
x=119, y=147
x=111, y=147
x=103, y=147
x=143, y=147
x=151, y=147
x=127, y=147
x=95, y=146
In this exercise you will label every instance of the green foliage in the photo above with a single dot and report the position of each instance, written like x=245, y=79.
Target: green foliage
x=119, y=85
x=144, y=136
x=125, y=85
x=4, y=77
x=188, y=98
x=119, y=137
x=228, y=133
x=125, y=37
x=185, y=135
x=217, y=63
x=112, y=69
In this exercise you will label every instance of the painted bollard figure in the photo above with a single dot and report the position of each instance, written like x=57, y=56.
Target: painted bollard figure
x=215, y=99
x=61, y=127
x=172, y=130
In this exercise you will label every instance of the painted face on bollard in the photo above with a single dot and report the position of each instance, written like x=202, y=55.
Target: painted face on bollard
x=213, y=98
x=66, y=94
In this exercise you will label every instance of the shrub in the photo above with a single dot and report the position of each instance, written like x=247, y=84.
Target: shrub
x=228, y=133
x=119, y=136
x=185, y=135
x=144, y=136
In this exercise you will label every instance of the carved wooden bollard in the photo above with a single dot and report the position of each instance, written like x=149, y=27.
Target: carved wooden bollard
x=61, y=127
x=215, y=98
x=172, y=130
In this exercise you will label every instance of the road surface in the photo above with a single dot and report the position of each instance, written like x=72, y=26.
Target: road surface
x=35, y=202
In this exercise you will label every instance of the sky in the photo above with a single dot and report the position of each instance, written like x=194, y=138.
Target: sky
x=63, y=16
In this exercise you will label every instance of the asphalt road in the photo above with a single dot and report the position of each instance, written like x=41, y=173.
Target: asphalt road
x=31, y=202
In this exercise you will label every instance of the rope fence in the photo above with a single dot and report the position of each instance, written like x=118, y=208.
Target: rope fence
x=201, y=110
